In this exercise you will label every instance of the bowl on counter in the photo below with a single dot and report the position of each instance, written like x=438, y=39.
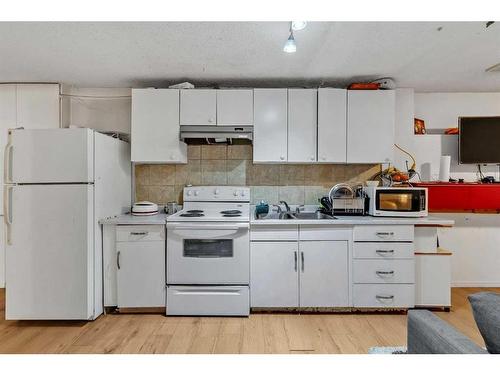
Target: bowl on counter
x=372, y=183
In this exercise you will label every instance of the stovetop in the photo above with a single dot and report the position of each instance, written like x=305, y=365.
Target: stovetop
x=214, y=203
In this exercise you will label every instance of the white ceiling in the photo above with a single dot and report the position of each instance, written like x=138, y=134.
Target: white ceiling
x=131, y=54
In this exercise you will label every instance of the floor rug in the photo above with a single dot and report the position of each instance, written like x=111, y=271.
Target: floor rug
x=388, y=350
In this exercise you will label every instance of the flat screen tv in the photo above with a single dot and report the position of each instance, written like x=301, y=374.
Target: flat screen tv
x=479, y=140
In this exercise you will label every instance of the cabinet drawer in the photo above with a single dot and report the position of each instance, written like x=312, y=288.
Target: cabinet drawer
x=383, y=233
x=383, y=250
x=274, y=233
x=208, y=300
x=325, y=233
x=380, y=295
x=384, y=271
x=128, y=233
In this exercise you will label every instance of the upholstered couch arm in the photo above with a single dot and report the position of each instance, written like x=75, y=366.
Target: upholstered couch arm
x=428, y=334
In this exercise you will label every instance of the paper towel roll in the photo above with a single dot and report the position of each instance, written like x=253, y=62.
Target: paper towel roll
x=444, y=168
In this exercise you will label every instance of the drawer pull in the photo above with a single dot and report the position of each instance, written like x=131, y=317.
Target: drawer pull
x=383, y=273
x=118, y=260
x=295, y=257
x=384, y=234
x=138, y=233
x=384, y=251
x=384, y=296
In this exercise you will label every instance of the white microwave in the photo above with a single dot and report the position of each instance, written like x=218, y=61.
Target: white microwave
x=397, y=201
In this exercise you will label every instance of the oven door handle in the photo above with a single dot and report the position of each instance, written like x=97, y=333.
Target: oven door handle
x=237, y=226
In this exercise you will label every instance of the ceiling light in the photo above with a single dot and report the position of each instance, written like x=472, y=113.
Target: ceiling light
x=290, y=45
x=298, y=25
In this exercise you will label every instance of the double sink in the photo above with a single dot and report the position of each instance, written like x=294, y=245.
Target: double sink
x=288, y=215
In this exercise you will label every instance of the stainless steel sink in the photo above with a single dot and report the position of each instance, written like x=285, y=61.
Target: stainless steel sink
x=317, y=215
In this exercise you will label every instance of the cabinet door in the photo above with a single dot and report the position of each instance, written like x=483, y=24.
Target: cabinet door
x=332, y=125
x=370, y=126
x=198, y=107
x=274, y=278
x=270, y=125
x=155, y=127
x=38, y=106
x=302, y=125
x=234, y=107
x=324, y=274
x=141, y=274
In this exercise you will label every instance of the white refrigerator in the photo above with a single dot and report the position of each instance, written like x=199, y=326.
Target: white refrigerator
x=58, y=184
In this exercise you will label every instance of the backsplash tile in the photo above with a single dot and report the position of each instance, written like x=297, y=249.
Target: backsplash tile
x=232, y=165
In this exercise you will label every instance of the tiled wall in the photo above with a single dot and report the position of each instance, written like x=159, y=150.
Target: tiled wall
x=232, y=165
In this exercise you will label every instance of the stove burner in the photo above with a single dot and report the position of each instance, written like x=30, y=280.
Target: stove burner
x=194, y=211
x=231, y=215
x=193, y=214
x=231, y=212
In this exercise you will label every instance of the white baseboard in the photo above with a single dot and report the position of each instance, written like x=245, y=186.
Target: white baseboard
x=475, y=284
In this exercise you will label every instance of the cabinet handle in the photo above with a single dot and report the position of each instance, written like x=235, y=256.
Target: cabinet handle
x=302, y=261
x=295, y=257
x=282, y=157
x=384, y=234
x=118, y=260
x=138, y=233
x=384, y=296
x=384, y=273
x=384, y=251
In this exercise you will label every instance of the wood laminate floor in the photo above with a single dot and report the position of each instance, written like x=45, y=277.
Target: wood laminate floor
x=260, y=333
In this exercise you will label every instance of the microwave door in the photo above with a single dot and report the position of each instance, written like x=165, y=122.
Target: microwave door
x=396, y=201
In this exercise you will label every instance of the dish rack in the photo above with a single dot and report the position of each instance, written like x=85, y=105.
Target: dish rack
x=344, y=200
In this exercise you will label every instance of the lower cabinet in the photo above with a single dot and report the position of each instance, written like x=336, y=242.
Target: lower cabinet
x=141, y=274
x=299, y=274
x=324, y=274
x=274, y=280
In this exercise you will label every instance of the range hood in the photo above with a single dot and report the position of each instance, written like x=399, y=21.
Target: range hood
x=217, y=132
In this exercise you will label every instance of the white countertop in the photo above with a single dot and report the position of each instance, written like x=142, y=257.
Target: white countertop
x=128, y=219
x=360, y=220
x=161, y=219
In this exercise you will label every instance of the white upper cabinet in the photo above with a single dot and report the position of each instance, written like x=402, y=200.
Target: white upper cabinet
x=270, y=125
x=234, y=107
x=198, y=107
x=38, y=106
x=370, y=126
x=332, y=125
x=155, y=127
x=302, y=125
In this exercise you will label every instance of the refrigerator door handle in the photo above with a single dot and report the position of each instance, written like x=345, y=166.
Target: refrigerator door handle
x=7, y=212
x=7, y=172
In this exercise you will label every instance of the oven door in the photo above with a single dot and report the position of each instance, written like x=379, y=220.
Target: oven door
x=208, y=253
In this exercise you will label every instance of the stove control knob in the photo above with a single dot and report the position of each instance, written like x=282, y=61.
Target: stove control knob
x=189, y=193
x=216, y=191
x=243, y=193
x=235, y=193
x=196, y=192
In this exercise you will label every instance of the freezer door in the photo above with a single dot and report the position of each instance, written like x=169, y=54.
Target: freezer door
x=49, y=264
x=50, y=156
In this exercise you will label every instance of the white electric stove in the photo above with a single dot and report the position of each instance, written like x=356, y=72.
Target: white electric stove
x=208, y=252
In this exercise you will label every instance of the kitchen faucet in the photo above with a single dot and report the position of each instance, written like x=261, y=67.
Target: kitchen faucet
x=287, y=207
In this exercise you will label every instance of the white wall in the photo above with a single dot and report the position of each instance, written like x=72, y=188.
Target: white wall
x=440, y=111
x=475, y=238
x=103, y=109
